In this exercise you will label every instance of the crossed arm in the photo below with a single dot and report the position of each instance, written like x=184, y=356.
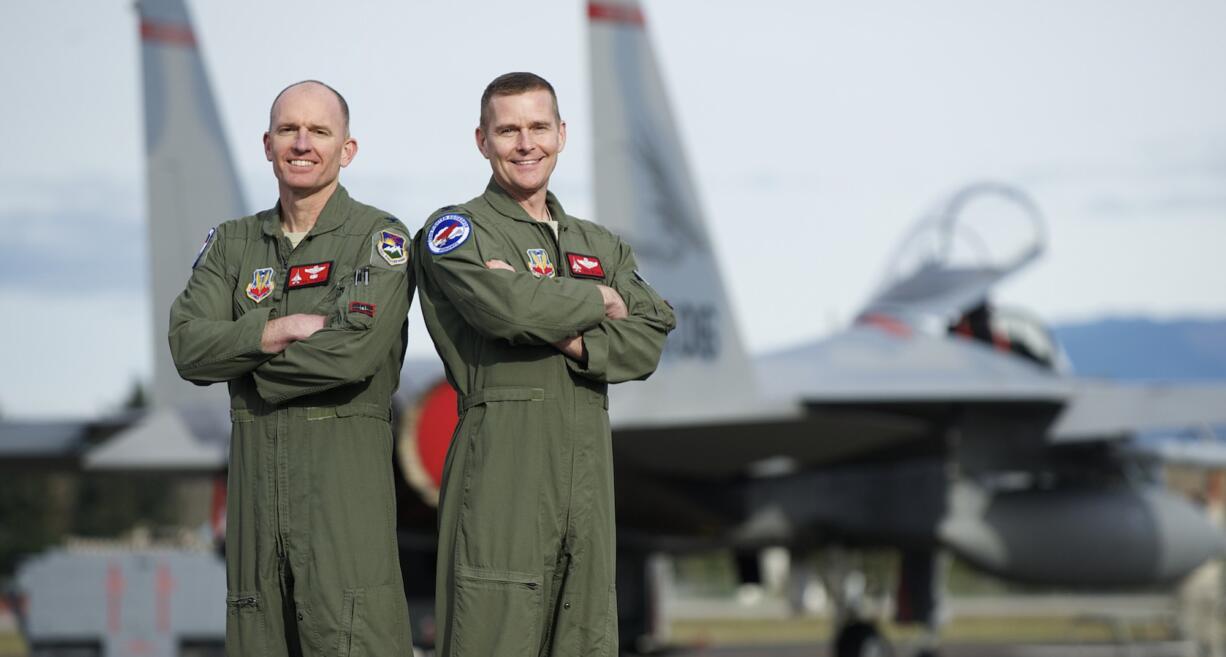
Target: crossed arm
x=614, y=308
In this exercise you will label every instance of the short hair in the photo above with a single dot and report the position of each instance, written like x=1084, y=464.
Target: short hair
x=339, y=98
x=513, y=84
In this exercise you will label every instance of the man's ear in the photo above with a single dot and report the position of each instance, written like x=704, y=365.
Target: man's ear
x=349, y=151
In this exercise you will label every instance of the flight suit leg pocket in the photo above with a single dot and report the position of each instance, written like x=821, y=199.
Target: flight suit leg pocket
x=246, y=631
x=496, y=613
x=375, y=622
x=500, y=514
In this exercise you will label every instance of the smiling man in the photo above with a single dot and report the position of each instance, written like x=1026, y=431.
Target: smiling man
x=301, y=311
x=534, y=313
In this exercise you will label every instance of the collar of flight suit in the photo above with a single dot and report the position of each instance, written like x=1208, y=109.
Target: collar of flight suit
x=335, y=212
x=500, y=200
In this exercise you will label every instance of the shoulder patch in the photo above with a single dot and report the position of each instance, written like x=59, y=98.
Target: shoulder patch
x=447, y=233
x=391, y=245
x=208, y=241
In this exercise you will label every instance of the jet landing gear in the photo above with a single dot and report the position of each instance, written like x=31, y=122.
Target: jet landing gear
x=858, y=638
x=843, y=577
x=917, y=602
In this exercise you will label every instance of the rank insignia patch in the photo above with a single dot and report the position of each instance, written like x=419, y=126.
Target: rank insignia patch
x=262, y=284
x=447, y=233
x=208, y=240
x=584, y=266
x=539, y=263
x=309, y=275
x=367, y=309
x=391, y=247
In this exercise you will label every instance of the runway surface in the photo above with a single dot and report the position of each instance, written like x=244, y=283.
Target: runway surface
x=1164, y=649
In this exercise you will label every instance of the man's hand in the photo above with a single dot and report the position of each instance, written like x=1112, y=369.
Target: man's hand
x=572, y=347
x=279, y=333
x=498, y=264
x=614, y=306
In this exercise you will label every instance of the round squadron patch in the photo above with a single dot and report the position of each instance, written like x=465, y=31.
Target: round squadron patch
x=447, y=233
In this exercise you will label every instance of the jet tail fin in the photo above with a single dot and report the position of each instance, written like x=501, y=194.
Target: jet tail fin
x=645, y=193
x=191, y=181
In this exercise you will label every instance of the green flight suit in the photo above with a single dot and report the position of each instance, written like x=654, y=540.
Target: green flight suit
x=311, y=555
x=526, y=533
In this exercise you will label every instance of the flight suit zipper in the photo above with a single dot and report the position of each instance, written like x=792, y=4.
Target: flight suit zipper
x=280, y=484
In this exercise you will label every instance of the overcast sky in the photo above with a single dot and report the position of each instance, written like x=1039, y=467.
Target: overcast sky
x=833, y=124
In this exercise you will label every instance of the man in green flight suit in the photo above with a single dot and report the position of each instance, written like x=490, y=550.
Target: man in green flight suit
x=301, y=311
x=534, y=313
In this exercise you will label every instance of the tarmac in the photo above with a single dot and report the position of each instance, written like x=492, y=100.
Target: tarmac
x=1155, y=649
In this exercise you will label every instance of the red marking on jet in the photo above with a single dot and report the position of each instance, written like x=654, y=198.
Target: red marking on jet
x=114, y=597
x=165, y=587
x=598, y=11
x=891, y=325
x=167, y=33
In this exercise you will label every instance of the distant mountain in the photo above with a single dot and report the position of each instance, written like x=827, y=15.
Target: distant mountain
x=1147, y=350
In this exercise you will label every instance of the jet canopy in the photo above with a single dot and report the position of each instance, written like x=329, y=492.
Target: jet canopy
x=948, y=263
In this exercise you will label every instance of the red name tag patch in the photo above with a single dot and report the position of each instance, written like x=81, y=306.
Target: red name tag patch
x=584, y=266
x=309, y=275
x=367, y=309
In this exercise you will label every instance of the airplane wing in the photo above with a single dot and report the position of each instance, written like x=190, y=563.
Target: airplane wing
x=1101, y=410
x=869, y=363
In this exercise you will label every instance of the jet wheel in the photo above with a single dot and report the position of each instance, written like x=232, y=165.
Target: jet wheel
x=861, y=639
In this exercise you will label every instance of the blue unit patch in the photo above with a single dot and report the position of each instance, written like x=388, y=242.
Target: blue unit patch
x=391, y=247
x=447, y=233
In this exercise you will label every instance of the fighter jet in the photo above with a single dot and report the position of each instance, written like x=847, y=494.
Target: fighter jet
x=929, y=425
x=934, y=424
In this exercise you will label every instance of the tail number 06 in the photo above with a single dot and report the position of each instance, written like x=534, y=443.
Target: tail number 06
x=697, y=333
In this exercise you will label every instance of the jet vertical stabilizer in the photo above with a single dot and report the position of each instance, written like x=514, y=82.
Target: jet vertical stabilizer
x=644, y=192
x=191, y=182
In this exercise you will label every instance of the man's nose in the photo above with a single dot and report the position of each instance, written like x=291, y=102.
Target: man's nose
x=524, y=142
x=301, y=141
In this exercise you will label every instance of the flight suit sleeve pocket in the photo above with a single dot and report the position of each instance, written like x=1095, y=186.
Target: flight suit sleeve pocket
x=362, y=303
x=641, y=300
x=245, y=628
x=497, y=612
x=375, y=622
